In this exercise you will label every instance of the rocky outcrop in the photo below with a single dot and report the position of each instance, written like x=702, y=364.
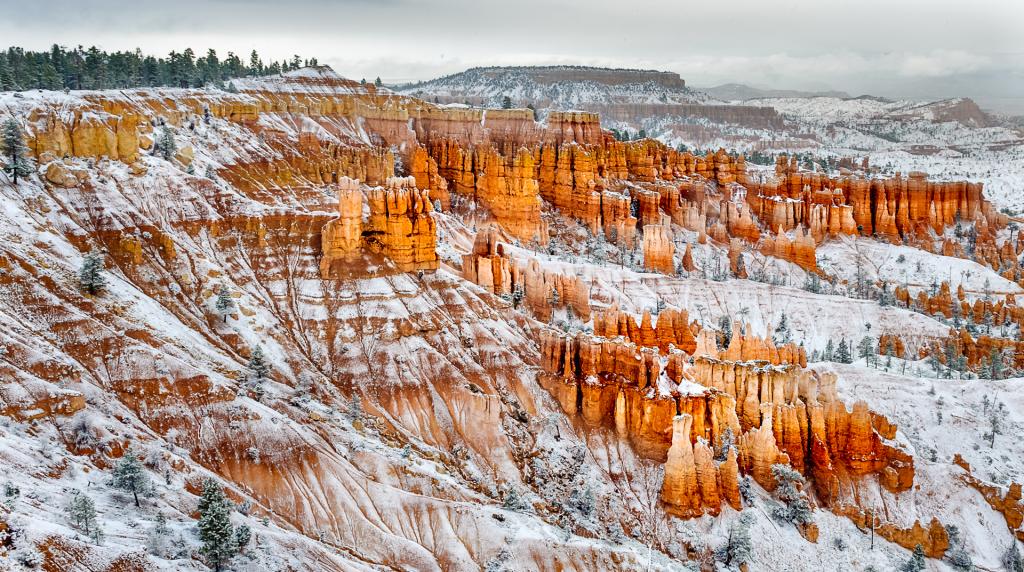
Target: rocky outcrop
x=659, y=250
x=399, y=226
x=778, y=413
x=695, y=483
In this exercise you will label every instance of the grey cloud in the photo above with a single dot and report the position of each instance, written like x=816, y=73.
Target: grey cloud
x=896, y=48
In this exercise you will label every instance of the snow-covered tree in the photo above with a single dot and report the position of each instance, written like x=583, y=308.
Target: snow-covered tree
x=996, y=423
x=1012, y=559
x=582, y=503
x=866, y=349
x=513, y=501
x=782, y=335
x=725, y=330
x=506, y=102
x=259, y=369
x=355, y=408
x=842, y=354
x=82, y=512
x=725, y=442
x=739, y=549
x=916, y=562
x=795, y=507
x=91, y=276
x=158, y=541
x=130, y=476
x=215, y=530
x=16, y=154
x=956, y=554
x=830, y=350
x=243, y=535
x=224, y=303
x=165, y=143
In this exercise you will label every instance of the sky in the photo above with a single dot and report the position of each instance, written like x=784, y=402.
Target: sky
x=893, y=48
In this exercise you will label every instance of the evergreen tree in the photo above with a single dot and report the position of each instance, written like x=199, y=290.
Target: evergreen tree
x=377, y=82
x=243, y=534
x=82, y=511
x=258, y=366
x=995, y=364
x=916, y=562
x=829, y=350
x=91, y=277
x=16, y=154
x=996, y=422
x=215, y=530
x=158, y=541
x=957, y=554
x=513, y=501
x=506, y=102
x=1012, y=559
x=725, y=330
x=782, y=335
x=224, y=303
x=739, y=548
x=795, y=507
x=843, y=352
x=866, y=349
x=255, y=64
x=725, y=442
x=165, y=144
x=130, y=476
x=355, y=408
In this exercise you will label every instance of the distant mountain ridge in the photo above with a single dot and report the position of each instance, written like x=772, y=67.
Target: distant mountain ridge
x=742, y=92
x=560, y=87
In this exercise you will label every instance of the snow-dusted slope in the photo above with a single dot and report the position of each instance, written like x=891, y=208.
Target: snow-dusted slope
x=417, y=472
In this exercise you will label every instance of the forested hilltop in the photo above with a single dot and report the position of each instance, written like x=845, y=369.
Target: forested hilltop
x=92, y=68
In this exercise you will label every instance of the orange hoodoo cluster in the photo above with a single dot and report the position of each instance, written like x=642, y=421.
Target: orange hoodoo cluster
x=400, y=226
x=543, y=289
x=775, y=410
x=896, y=208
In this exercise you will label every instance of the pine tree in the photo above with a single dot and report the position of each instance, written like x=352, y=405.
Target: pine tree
x=1012, y=559
x=130, y=476
x=957, y=554
x=725, y=329
x=243, y=535
x=782, y=335
x=866, y=349
x=739, y=549
x=258, y=366
x=843, y=352
x=916, y=562
x=829, y=350
x=91, y=276
x=996, y=418
x=82, y=511
x=215, y=530
x=158, y=541
x=377, y=82
x=796, y=508
x=224, y=303
x=12, y=144
x=506, y=102
x=166, y=145
x=513, y=501
x=355, y=408
x=725, y=442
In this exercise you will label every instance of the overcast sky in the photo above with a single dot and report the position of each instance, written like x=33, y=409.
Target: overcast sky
x=897, y=48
